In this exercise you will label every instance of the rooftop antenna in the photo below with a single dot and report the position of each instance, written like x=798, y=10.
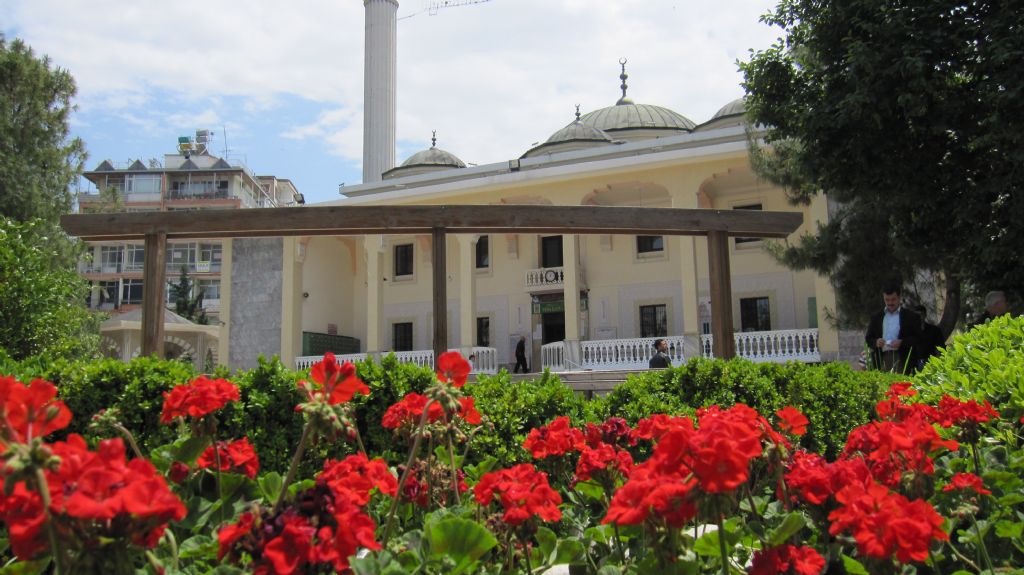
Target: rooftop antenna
x=434, y=5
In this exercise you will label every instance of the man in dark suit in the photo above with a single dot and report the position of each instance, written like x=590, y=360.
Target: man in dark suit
x=893, y=333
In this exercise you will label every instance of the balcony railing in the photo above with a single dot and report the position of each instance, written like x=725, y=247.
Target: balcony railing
x=485, y=360
x=634, y=353
x=545, y=278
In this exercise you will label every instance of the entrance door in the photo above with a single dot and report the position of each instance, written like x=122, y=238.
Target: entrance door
x=551, y=252
x=553, y=327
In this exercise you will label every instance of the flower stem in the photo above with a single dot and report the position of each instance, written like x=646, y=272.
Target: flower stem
x=59, y=560
x=618, y=544
x=405, y=474
x=130, y=438
x=977, y=459
x=721, y=545
x=981, y=545
x=455, y=471
x=299, y=451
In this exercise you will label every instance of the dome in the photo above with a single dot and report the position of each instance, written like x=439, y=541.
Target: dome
x=430, y=160
x=575, y=136
x=629, y=116
x=734, y=108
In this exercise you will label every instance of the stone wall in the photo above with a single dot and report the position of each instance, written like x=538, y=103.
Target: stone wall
x=256, y=292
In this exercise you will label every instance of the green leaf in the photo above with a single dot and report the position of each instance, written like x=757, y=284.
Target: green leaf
x=591, y=490
x=707, y=545
x=198, y=546
x=26, y=567
x=1009, y=529
x=609, y=570
x=547, y=540
x=462, y=540
x=270, y=485
x=188, y=450
x=567, y=551
x=853, y=567
x=792, y=524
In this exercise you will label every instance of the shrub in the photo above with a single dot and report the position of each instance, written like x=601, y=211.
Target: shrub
x=984, y=363
x=389, y=381
x=511, y=410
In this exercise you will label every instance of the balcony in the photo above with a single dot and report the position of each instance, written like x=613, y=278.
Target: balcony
x=545, y=279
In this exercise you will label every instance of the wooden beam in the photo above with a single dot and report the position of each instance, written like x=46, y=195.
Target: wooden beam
x=153, y=294
x=484, y=219
x=440, y=253
x=721, y=295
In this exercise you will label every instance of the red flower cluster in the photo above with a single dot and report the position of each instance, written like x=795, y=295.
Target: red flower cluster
x=814, y=480
x=553, y=439
x=95, y=496
x=613, y=431
x=964, y=481
x=655, y=426
x=31, y=411
x=885, y=523
x=237, y=457
x=720, y=451
x=952, y=411
x=523, y=491
x=453, y=368
x=326, y=526
x=409, y=411
x=892, y=448
x=200, y=397
x=601, y=458
x=337, y=383
x=788, y=559
x=792, y=421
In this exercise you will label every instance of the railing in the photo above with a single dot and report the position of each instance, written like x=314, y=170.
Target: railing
x=544, y=278
x=211, y=304
x=771, y=346
x=486, y=360
x=634, y=353
x=552, y=356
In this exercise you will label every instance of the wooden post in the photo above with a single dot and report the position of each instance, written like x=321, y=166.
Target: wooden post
x=440, y=293
x=153, y=294
x=721, y=294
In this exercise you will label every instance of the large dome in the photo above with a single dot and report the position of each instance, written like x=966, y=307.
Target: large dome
x=430, y=160
x=734, y=108
x=575, y=136
x=629, y=116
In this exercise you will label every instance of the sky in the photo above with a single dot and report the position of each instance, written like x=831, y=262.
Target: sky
x=280, y=84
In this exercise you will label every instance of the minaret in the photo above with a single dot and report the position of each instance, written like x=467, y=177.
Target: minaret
x=379, y=83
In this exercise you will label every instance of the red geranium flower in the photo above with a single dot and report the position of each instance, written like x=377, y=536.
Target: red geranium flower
x=200, y=397
x=231, y=533
x=788, y=559
x=964, y=481
x=792, y=421
x=523, y=491
x=237, y=457
x=453, y=368
x=600, y=458
x=290, y=550
x=30, y=411
x=952, y=411
x=409, y=411
x=358, y=477
x=647, y=493
x=555, y=438
x=339, y=383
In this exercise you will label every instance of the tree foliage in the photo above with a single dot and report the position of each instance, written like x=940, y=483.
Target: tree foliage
x=41, y=306
x=38, y=159
x=908, y=114
x=187, y=304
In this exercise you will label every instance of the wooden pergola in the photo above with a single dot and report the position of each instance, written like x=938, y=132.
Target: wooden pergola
x=156, y=228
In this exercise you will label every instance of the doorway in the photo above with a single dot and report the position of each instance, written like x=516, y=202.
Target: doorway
x=552, y=327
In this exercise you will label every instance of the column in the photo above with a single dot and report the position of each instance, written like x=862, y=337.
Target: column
x=467, y=292
x=373, y=251
x=721, y=294
x=153, y=295
x=439, y=247
x=224, y=337
x=690, y=290
x=570, y=265
x=291, y=301
x=824, y=293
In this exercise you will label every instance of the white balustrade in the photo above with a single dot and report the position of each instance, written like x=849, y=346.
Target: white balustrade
x=307, y=361
x=632, y=353
x=420, y=357
x=544, y=278
x=777, y=346
x=486, y=360
x=552, y=356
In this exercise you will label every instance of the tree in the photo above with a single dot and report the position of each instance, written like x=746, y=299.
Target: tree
x=187, y=305
x=41, y=307
x=38, y=160
x=908, y=115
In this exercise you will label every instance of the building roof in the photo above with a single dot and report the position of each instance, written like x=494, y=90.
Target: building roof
x=431, y=159
x=629, y=116
x=576, y=135
x=734, y=108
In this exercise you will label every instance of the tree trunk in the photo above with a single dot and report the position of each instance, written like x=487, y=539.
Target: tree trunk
x=951, y=309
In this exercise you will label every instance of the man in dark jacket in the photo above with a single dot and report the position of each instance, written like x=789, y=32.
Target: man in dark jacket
x=893, y=333
x=521, y=356
x=660, y=358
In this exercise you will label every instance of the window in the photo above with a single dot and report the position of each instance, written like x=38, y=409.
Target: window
x=653, y=321
x=210, y=256
x=650, y=244
x=403, y=260
x=131, y=291
x=135, y=257
x=755, y=314
x=755, y=207
x=401, y=339
x=812, y=312
x=108, y=294
x=551, y=252
x=210, y=289
x=181, y=255
x=483, y=332
x=483, y=253
x=110, y=258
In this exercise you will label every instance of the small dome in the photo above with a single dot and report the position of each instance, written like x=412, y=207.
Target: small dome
x=575, y=136
x=628, y=116
x=432, y=159
x=734, y=108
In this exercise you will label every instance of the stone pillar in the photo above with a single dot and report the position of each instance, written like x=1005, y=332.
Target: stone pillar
x=291, y=301
x=224, y=337
x=467, y=292
x=570, y=265
x=690, y=291
x=824, y=293
x=373, y=251
x=379, y=93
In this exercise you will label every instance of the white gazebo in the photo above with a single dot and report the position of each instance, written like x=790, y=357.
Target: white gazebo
x=183, y=340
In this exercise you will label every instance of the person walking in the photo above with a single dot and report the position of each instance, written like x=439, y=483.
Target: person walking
x=893, y=333
x=521, y=356
x=660, y=359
